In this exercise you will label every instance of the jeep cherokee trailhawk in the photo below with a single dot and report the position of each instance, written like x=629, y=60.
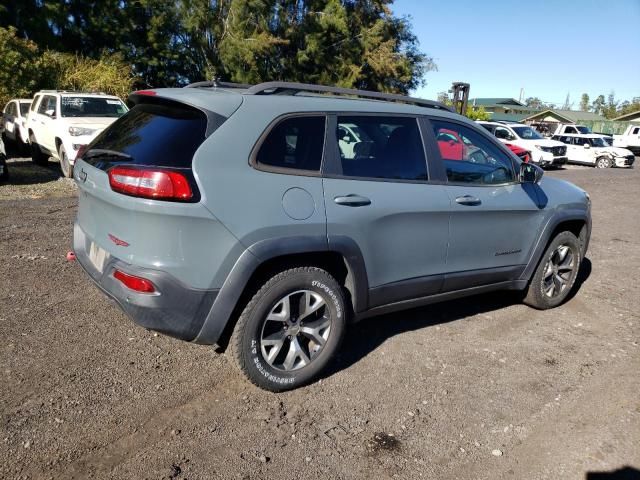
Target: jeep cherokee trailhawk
x=264, y=218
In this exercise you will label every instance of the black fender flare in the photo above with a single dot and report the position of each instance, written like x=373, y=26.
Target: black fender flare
x=544, y=238
x=258, y=253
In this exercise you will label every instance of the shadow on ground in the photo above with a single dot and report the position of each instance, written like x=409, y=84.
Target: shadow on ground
x=364, y=337
x=24, y=172
x=626, y=473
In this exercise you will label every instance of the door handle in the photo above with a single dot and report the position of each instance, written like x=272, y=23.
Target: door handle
x=468, y=200
x=352, y=200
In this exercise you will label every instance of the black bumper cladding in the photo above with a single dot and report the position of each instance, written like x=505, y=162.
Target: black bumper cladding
x=175, y=309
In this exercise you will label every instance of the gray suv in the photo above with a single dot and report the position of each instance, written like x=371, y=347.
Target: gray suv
x=263, y=219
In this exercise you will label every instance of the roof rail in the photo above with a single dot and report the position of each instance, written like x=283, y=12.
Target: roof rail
x=291, y=88
x=218, y=84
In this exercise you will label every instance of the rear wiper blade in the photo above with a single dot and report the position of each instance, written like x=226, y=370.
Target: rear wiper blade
x=100, y=152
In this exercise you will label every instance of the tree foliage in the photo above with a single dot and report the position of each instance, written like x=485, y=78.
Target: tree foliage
x=350, y=43
x=24, y=69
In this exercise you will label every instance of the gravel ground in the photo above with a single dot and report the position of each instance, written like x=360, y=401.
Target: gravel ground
x=481, y=388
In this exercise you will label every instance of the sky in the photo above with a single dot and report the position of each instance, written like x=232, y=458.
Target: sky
x=547, y=47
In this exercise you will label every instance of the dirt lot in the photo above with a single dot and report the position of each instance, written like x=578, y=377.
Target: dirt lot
x=482, y=388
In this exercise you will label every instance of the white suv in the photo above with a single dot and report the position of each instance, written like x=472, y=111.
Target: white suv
x=595, y=150
x=544, y=152
x=61, y=122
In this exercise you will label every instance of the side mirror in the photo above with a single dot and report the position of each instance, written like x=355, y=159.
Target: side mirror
x=50, y=113
x=530, y=173
x=586, y=145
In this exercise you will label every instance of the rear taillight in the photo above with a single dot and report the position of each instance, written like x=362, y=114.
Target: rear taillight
x=134, y=283
x=150, y=183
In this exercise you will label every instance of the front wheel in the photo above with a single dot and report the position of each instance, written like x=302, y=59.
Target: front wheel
x=290, y=329
x=604, y=162
x=65, y=164
x=556, y=273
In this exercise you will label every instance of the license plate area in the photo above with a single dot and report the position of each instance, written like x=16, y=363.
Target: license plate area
x=98, y=256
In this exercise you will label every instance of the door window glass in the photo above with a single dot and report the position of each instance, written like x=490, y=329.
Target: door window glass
x=381, y=147
x=295, y=143
x=469, y=157
x=48, y=104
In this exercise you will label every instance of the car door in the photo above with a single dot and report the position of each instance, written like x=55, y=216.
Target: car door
x=382, y=201
x=583, y=154
x=8, y=120
x=47, y=113
x=572, y=154
x=494, y=219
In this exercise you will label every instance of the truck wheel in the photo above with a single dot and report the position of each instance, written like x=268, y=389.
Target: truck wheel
x=556, y=273
x=37, y=156
x=603, y=162
x=290, y=329
x=65, y=165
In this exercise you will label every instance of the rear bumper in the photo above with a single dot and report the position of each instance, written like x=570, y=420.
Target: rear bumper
x=175, y=309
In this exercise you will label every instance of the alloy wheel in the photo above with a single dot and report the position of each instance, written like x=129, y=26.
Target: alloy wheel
x=559, y=271
x=295, y=330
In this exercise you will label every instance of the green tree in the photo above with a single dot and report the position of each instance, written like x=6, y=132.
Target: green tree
x=478, y=113
x=610, y=109
x=534, y=102
x=584, y=102
x=18, y=77
x=598, y=105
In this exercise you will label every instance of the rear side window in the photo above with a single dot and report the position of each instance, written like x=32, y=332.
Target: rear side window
x=294, y=143
x=381, y=147
x=150, y=134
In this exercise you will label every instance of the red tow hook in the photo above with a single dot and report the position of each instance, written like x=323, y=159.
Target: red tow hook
x=71, y=256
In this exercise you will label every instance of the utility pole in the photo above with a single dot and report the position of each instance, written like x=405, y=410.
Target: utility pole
x=460, y=92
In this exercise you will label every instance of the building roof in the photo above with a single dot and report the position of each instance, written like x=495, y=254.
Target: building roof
x=628, y=117
x=569, y=116
x=507, y=117
x=486, y=102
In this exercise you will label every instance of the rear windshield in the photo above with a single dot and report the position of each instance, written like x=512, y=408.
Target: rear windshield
x=149, y=134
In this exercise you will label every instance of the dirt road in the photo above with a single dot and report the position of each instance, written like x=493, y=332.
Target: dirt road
x=481, y=388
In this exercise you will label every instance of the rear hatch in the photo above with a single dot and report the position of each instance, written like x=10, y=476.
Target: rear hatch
x=139, y=200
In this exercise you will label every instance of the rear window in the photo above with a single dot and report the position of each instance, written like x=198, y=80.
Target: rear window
x=295, y=143
x=150, y=134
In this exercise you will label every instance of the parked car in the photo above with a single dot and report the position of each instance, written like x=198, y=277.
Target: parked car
x=525, y=155
x=544, y=152
x=231, y=216
x=60, y=123
x=14, y=121
x=594, y=150
x=4, y=170
x=630, y=139
x=573, y=129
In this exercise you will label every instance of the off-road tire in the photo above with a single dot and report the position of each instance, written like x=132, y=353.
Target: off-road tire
x=245, y=344
x=535, y=296
x=65, y=165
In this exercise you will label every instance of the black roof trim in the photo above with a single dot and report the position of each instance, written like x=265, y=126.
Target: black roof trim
x=292, y=88
x=218, y=84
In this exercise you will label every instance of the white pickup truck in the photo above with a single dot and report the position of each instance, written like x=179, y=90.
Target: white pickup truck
x=630, y=139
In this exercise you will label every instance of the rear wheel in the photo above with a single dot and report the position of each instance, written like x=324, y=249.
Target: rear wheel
x=556, y=273
x=290, y=329
x=604, y=162
x=65, y=165
x=37, y=156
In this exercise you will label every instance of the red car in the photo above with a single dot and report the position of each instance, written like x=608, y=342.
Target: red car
x=525, y=155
